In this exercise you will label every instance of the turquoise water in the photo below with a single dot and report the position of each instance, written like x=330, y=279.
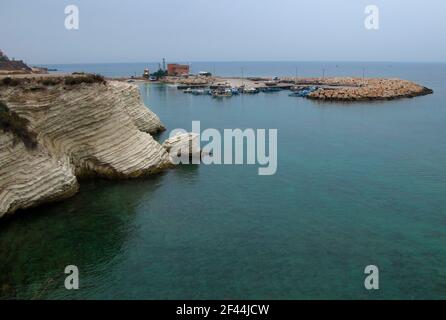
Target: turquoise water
x=357, y=184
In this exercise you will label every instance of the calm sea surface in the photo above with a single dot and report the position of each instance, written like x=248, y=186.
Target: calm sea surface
x=357, y=184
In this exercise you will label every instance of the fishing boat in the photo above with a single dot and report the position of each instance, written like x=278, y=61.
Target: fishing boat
x=222, y=94
x=270, y=89
x=303, y=92
x=199, y=92
x=235, y=91
x=251, y=91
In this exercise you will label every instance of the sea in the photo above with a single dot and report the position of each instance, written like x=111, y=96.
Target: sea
x=357, y=184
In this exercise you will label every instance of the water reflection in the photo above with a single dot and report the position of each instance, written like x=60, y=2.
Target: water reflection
x=187, y=171
x=88, y=231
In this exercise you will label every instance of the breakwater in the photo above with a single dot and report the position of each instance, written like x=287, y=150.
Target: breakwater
x=325, y=89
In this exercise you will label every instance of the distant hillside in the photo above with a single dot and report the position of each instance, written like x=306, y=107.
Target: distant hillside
x=3, y=57
x=12, y=66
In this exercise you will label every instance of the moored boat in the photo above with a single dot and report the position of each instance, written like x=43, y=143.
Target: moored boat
x=235, y=91
x=303, y=92
x=251, y=91
x=222, y=93
x=270, y=89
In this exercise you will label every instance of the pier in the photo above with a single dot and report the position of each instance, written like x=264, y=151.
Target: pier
x=326, y=89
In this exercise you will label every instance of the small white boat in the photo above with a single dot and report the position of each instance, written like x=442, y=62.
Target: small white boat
x=251, y=91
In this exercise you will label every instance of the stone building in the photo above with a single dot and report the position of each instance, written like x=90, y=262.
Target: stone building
x=174, y=69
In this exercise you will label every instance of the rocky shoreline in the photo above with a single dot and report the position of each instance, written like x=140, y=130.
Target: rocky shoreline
x=83, y=128
x=354, y=89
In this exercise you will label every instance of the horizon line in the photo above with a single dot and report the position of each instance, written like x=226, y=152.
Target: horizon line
x=236, y=61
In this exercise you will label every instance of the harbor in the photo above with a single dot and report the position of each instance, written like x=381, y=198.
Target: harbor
x=340, y=89
x=323, y=88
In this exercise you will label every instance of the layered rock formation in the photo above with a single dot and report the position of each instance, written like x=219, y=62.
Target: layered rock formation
x=130, y=99
x=83, y=130
x=183, y=144
x=31, y=177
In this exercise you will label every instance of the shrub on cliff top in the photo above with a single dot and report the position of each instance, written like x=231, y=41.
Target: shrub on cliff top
x=11, y=82
x=3, y=107
x=49, y=81
x=88, y=78
x=13, y=123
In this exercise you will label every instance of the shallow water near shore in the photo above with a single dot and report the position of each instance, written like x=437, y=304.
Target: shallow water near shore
x=357, y=184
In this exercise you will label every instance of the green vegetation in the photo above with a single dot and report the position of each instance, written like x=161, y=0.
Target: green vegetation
x=52, y=81
x=49, y=81
x=3, y=108
x=11, y=82
x=13, y=123
x=159, y=74
x=87, y=78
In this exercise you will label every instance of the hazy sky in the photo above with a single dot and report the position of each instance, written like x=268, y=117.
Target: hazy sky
x=222, y=30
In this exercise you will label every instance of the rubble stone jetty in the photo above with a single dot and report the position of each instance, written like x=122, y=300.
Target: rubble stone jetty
x=355, y=89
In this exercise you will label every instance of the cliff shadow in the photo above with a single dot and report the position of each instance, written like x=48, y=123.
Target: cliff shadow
x=88, y=230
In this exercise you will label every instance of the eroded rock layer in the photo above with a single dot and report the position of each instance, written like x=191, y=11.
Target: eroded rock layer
x=130, y=99
x=83, y=130
x=31, y=177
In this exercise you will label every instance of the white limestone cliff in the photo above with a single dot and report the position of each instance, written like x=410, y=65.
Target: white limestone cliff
x=83, y=130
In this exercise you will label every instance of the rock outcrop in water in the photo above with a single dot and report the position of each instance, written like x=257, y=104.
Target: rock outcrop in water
x=354, y=89
x=183, y=144
x=83, y=129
